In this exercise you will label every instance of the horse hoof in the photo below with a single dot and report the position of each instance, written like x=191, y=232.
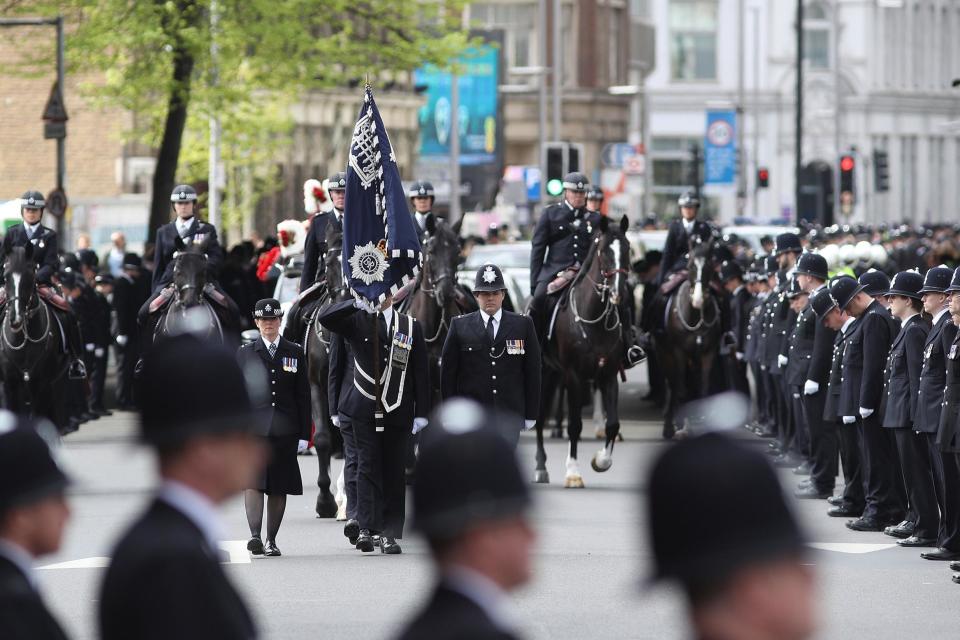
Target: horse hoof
x=573, y=482
x=540, y=476
x=326, y=505
x=601, y=461
x=600, y=434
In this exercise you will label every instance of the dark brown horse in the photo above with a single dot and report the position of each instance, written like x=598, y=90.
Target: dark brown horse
x=691, y=340
x=585, y=348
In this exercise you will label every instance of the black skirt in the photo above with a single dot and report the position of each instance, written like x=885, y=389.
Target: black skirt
x=282, y=474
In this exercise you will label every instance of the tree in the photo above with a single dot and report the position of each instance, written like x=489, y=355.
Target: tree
x=155, y=60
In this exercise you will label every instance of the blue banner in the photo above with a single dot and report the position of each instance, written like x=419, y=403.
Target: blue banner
x=720, y=148
x=381, y=251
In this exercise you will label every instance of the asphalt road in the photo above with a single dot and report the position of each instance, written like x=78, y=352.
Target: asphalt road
x=591, y=554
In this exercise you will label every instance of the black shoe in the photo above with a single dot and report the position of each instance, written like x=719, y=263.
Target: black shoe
x=955, y=566
x=844, y=511
x=100, y=411
x=902, y=530
x=77, y=370
x=352, y=531
x=956, y=578
x=836, y=501
x=389, y=546
x=867, y=523
x=785, y=461
x=802, y=470
x=271, y=549
x=255, y=546
x=914, y=541
x=86, y=416
x=365, y=541
x=811, y=493
x=941, y=554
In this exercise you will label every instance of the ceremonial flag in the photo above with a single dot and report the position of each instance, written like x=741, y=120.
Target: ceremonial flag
x=381, y=251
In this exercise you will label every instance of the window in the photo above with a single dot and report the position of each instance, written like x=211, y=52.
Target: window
x=614, y=54
x=816, y=37
x=693, y=39
x=518, y=22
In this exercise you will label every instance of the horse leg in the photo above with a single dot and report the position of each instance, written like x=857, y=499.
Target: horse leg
x=598, y=411
x=610, y=392
x=540, y=473
x=326, y=506
x=573, y=479
x=558, y=398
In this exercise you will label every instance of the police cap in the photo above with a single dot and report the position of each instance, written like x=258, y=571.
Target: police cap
x=794, y=289
x=421, y=189
x=906, y=283
x=595, y=193
x=183, y=193
x=694, y=482
x=104, y=277
x=32, y=200
x=771, y=265
x=812, y=264
x=576, y=181
x=68, y=278
x=267, y=308
x=955, y=282
x=88, y=258
x=823, y=302
x=467, y=473
x=730, y=270
x=937, y=280
x=337, y=182
x=132, y=261
x=787, y=242
x=489, y=278
x=28, y=472
x=688, y=199
x=844, y=288
x=875, y=283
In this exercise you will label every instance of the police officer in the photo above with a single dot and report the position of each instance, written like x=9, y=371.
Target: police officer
x=33, y=514
x=865, y=355
x=595, y=200
x=851, y=502
x=130, y=290
x=679, y=233
x=422, y=198
x=284, y=424
x=165, y=579
x=103, y=290
x=339, y=380
x=493, y=356
x=382, y=424
x=901, y=397
x=44, y=247
x=747, y=577
x=947, y=460
x=740, y=301
x=763, y=424
x=314, y=254
x=471, y=503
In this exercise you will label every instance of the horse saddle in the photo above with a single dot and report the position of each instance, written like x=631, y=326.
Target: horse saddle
x=673, y=281
x=162, y=299
x=563, y=279
x=303, y=294
x=51, y=297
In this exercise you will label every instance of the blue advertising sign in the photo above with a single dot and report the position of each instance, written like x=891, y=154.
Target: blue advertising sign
x=720, y=149
x=478, y=107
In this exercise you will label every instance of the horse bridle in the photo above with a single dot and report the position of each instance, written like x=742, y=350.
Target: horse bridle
x=601, y=289
x=430, y=285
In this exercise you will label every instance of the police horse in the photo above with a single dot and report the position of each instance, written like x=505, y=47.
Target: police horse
x=33, y=360
x=690, y=341
x=584, y=347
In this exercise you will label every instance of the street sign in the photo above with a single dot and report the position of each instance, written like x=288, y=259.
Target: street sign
x=54, y=111
x=57, y=203
x=719, y=151
x=635, y=165
x=615, y=154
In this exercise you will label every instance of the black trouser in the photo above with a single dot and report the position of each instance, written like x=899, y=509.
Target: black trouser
x=784, y=429
x=824, y=442
x=538, y=311
x=381, y=486
x=882, y=481
x=849, y=439
x=98, y=378
x=917, y=470
x=947, y=469
x=349, y=465
x=801, y=431
x=759, y=392
x=127, y=357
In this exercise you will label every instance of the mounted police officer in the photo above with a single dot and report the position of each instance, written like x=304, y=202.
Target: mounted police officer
x=382, y=425
x=679, y=233
x=493, y=356
x=561, y=242
x=595, y=200
x=422, y=197
x=314, y=254
x=43, y=248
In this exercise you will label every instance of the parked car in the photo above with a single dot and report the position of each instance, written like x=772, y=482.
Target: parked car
x=513, y=258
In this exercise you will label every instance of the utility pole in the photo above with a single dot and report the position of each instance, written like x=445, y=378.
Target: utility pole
x=838, y=99
x=741, y=159
x=213, y=181
x=557, y=69
x=756, y=106
x=454, y=149
x=542, y=103
x=798, y=159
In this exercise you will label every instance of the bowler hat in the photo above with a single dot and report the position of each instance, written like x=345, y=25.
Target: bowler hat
x=937, y=280
x=489, y=278
x=844, y=288
x=787, y=242
x=812, y=264
x=875, y=283
x=906, y=283
x=712, y=478
x=267, y=308
x=823, y=302
x=28, y=472
x=467, y=473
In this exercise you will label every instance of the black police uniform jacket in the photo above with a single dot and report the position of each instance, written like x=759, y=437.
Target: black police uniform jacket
x=315, y=248
x=45, y=247
x=504, y=375
x=780, y=319
x=23, y=616
x=286, y=405
x=450, y=615
x=129, y=294
x=864, y=358
x=86, y=307
x=933, y=374
x=409, y=389
x=166, y=582
x=341, y=371
x=948, y=435
x=198, y=231
x=810, y=350
x=677, y=244
x=561, y=239
x=902, y=375
x=741, y=302
x=752, y=343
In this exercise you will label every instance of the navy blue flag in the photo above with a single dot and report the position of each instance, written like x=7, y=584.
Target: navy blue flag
x=381, y=251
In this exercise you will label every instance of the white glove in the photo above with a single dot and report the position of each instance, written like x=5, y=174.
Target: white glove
x=122, y=340
x=336, y=421
x=90, y=346
x=782, y=360
x=849, y=419
x=810, y=387
x=419, y=424
x=528, y=424
x=302, y=446
x=865, y=413
x=98, y=352
x=739, y=356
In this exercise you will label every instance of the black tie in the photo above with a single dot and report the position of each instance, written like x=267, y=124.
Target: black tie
x=490, y=333
x=273, y=349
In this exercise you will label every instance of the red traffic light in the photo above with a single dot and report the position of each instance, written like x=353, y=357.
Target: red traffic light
x=763, y=174
x=846, y=163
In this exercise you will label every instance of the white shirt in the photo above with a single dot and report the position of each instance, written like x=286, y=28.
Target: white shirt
x=198, y=509
x=939, y=315
x=183, y=225
x=387, y=316
x=904, y=322
x=484, y=593
x=32, y=229
x=267, y=343
x=421, y=219
x=339, y=215
x=495, y=318
x=846, y=325
x=20, y=559
x=688, y=225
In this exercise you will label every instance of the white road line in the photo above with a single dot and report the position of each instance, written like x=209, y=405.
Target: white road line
x=850, y=547
x=236, y=551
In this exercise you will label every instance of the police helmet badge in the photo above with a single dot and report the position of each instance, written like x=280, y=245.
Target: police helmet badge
x=489, y=275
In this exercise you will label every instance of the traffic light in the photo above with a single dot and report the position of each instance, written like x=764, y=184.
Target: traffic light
x=693, y=168
x=881, y=170
x=561, y=158
x=848, y=165
x=763, y=178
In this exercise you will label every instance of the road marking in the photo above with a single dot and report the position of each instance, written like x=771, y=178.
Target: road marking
x=850, y=547
x=235, y=550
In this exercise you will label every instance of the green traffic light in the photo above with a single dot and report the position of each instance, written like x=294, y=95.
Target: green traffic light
x=554, y=187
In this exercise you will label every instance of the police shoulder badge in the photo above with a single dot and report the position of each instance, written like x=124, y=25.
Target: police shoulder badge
x=368, y=264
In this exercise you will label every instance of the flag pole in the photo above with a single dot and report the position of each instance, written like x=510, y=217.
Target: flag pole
x=378, y=412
